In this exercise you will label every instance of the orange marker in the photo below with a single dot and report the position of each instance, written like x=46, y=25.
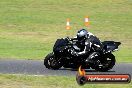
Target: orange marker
x=68, y=24
x=87, y=21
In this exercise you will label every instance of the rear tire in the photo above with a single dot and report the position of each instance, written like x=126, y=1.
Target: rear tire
x=107, y=63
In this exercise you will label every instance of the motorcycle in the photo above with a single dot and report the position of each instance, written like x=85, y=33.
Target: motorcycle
x=61, y=56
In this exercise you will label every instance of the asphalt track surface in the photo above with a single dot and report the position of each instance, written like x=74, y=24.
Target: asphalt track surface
x=36, y=67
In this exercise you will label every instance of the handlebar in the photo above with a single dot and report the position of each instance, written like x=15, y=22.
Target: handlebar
x=68, y=38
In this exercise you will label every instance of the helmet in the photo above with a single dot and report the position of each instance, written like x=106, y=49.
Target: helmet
x=82, y=34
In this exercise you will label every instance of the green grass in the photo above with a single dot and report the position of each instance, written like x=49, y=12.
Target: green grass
x=29, y=28
x=24, y=81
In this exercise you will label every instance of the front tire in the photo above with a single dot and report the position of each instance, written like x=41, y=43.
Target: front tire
x=48, y=59
x=56, y=63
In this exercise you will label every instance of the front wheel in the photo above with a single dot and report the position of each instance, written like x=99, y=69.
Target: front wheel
x=51, y=62
x=48, y=59
x=56, y=63
x=106, y=63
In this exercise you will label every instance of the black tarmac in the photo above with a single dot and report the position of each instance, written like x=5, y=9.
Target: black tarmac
x=36, y=67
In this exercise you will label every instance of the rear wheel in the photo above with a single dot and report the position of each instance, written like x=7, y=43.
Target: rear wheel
x=106, y=63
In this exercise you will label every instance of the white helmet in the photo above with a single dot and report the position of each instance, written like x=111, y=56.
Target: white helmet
x=82, y=34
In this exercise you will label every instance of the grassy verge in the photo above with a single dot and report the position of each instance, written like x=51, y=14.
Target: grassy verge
x=24, y=81
x=28, y=28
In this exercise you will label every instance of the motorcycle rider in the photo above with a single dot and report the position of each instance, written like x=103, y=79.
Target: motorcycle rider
x=85, y=41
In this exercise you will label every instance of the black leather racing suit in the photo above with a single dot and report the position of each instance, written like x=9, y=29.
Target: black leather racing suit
x=90, y=41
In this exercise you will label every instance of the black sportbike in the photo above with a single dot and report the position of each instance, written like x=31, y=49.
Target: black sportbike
x=61, y=56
